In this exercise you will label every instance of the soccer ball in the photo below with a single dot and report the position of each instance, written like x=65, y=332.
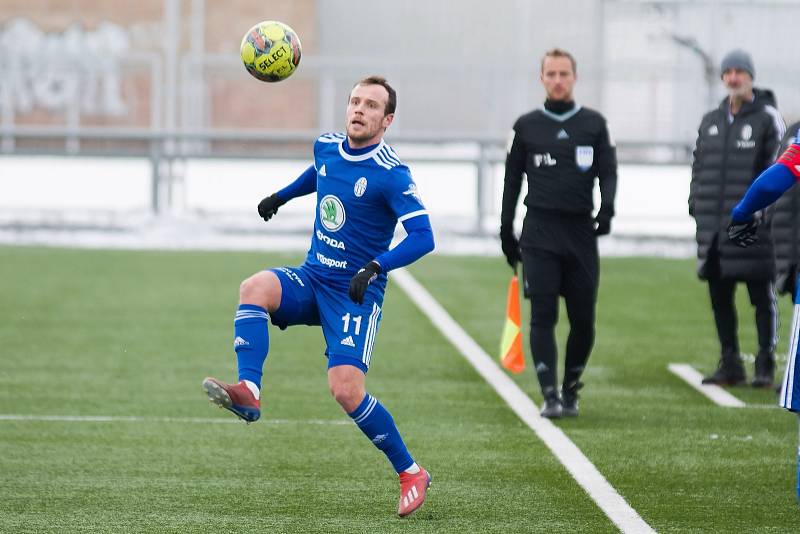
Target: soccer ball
x=271, y=51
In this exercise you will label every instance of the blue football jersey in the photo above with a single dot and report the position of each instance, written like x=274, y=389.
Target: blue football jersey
x=360, y=200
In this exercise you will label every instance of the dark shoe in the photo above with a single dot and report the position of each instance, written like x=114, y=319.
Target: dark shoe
x=552, y=406
x=729, y=372
x=765, y=370
x=569, y=399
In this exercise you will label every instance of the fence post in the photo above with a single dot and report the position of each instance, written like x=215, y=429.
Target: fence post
x=483, y=176
x=155, y=175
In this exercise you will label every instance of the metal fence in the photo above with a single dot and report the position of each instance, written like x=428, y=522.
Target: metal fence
x=168, y=153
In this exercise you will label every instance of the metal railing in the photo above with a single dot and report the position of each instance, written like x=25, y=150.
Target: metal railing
x=164, y=149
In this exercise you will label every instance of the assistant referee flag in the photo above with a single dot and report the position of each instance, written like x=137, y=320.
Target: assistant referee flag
x=511, y=355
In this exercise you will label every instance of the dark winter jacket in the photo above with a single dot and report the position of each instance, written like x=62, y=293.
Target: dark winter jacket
x=786, y=228
x=727, y=158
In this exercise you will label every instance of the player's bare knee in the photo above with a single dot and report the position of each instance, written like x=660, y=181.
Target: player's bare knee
x=347, y=395
x=262, y=289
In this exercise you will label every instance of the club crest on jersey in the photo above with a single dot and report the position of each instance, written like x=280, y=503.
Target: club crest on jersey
x=412, y=190
x=360, y=187
x=331, y=213
x=584, y=157
x=745, y=135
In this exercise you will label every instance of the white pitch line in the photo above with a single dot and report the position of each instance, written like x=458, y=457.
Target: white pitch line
x=717, y=395
x=145, y=419
x=578, y=465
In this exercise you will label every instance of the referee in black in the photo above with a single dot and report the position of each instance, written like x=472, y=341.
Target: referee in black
x=561, y=148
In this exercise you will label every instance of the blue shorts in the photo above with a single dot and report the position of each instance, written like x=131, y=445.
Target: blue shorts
x=349, y=328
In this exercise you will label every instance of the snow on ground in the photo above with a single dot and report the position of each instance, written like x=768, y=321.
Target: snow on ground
x=106, y=203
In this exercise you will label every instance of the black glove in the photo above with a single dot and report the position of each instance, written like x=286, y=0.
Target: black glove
x=363, y=278
x=744, y=234
x=603, y=224
x=269, y=206
x=510, y=245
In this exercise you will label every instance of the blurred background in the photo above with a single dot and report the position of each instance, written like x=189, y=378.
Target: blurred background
x=135, y=124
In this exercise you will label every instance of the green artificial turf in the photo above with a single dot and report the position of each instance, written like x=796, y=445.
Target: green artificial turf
x=132, y=334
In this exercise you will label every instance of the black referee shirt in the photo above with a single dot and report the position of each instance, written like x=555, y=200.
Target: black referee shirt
x=562, y=154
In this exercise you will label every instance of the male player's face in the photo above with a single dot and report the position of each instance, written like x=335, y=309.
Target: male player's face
x=558, y=78
x=738, y=83
x=366, y=118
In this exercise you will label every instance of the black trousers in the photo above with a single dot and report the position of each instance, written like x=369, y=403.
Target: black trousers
x=762, y=296
x=559, y=256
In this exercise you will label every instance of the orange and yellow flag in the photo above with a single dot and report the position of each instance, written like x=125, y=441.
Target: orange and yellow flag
x=511, y=355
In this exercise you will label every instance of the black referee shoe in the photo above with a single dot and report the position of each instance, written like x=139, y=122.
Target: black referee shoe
x=552, y=408
x=569, y=399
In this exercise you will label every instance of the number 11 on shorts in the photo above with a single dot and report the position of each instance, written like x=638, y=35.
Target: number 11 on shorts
x=356, y=323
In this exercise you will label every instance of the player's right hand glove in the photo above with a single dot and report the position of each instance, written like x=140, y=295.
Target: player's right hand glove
x=510, y=245
x=269, y=206
x=362, y=280
x=744, y=234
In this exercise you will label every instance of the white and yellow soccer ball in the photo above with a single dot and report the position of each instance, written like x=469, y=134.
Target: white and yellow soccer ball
x=271, y=51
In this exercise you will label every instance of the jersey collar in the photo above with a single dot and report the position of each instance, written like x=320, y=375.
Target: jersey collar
x=561, y=117
x=360, y=157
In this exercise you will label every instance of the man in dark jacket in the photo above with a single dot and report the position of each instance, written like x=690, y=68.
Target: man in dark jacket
x=562, y=148
x=735, y=143
x=785, y=216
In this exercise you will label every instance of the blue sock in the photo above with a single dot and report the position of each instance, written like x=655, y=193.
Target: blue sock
x=251, y=341
x=377, y=424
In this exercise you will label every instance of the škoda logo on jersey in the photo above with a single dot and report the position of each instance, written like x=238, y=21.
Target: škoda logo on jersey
x=331, y=213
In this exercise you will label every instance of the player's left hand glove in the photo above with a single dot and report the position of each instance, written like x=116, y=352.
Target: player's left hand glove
x=362, y=279
x=744, y=234
x=602, y=224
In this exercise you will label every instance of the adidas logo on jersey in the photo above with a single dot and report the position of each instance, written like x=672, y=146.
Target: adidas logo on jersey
x=240, y=342
x=348, y=341
x=562, y=134
x=542, y=367
x=322, y=171
x=713, y=130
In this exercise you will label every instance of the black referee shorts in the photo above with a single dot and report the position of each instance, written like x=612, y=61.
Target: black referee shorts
x=559, y=256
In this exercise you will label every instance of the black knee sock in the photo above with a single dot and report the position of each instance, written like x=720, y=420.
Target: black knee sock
x=579, y=347
x=581, y=313
x=544, y=315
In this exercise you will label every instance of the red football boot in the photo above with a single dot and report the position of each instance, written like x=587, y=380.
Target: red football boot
x=234, y=397
x=412, y=491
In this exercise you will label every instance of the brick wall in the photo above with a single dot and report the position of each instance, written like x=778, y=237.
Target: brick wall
x=66, y=34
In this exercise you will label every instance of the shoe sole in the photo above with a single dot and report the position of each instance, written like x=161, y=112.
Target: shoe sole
x=217, y=395
x=422, y=501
